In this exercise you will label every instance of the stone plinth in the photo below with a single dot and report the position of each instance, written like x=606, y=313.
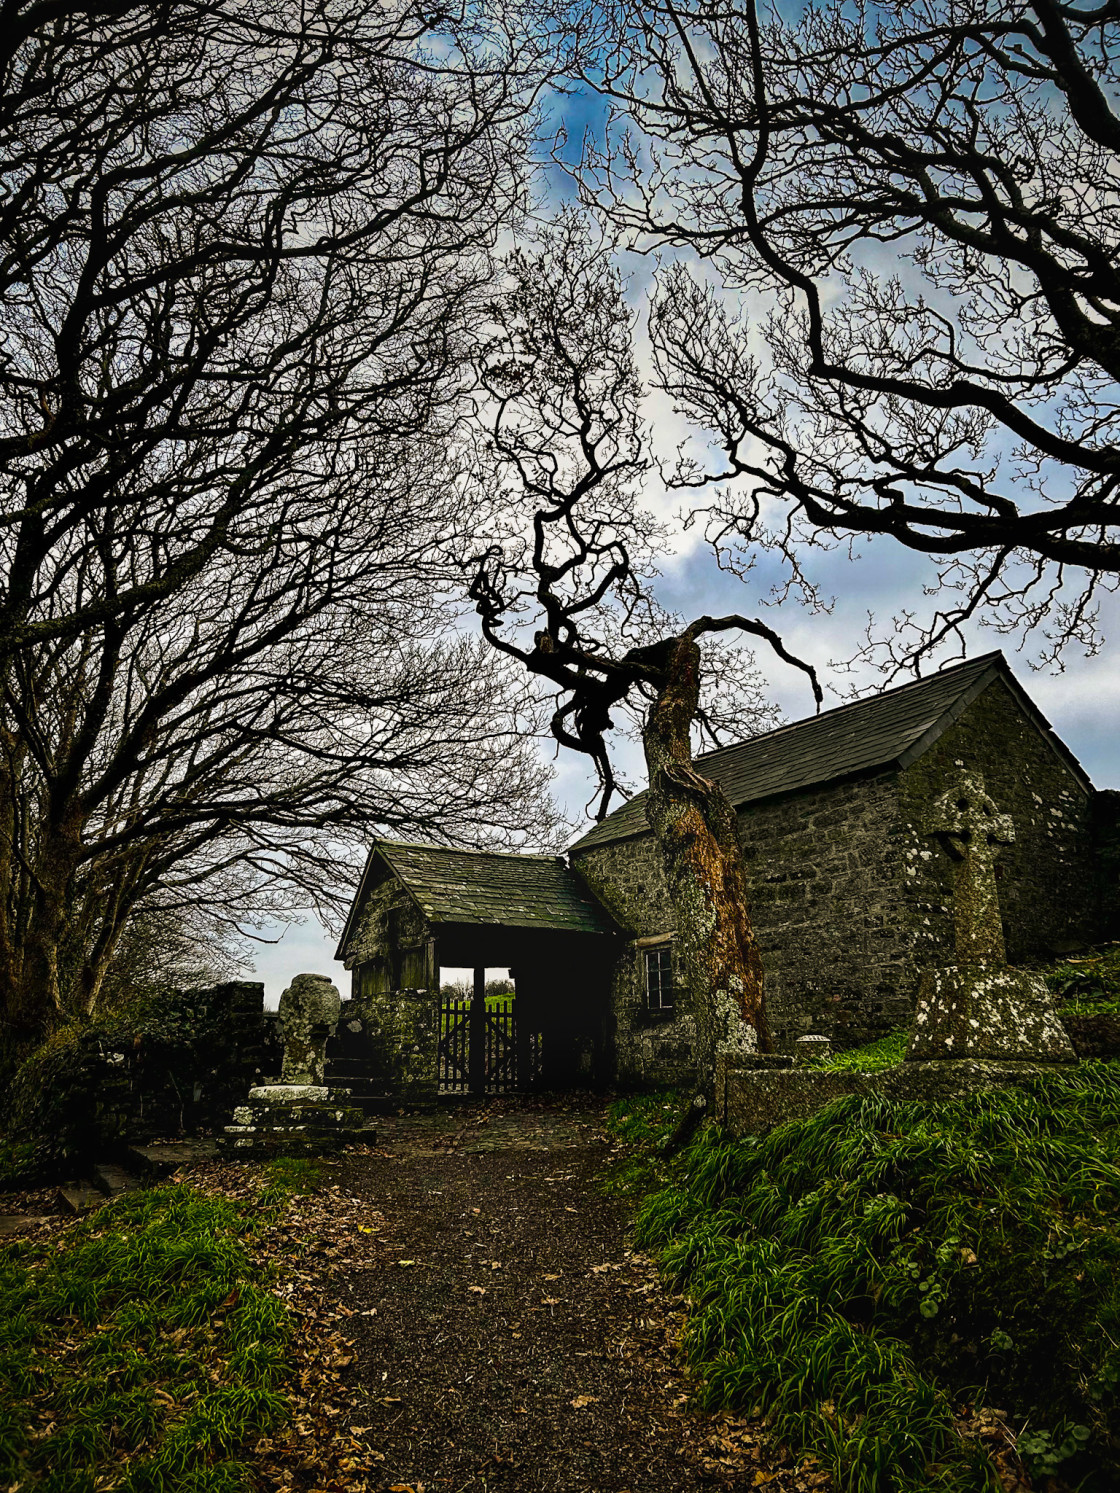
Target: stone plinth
x=293, y=1120
x=988, y=1013
x=811, y=1049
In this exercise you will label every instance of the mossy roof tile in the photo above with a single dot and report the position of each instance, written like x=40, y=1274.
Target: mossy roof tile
x=472, y=886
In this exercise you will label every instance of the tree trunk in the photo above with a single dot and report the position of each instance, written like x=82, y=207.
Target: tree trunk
x=32, y=981
x=698, y=833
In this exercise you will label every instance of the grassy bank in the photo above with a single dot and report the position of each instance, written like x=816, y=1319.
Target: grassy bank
x=141, y=1349
x=863, y=1275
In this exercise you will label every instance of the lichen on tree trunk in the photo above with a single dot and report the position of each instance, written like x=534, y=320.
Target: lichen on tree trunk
x=698, y=834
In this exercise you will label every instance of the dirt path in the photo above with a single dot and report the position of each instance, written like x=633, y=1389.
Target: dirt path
x=506, y=1337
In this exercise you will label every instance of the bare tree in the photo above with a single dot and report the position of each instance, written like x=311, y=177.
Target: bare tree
x=244, y=246
x=565, y=591
x=928, y=197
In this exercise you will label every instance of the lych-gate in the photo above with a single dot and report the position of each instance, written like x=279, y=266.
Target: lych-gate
x=423, y=909
x=483, y=1047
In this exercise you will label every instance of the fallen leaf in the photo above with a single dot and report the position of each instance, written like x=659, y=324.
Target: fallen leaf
x=581, y=1400
x=478, y=1290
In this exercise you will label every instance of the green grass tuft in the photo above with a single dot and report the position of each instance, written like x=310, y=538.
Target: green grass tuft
x=640, y=1123
x=884, y=1053
x=861, y=1274
x=142, y=1346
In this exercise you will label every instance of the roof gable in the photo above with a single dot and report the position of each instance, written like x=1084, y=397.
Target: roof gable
x=484, y=887
x=891, y=729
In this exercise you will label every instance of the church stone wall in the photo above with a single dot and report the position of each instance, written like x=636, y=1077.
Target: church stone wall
x=646, y=1047
x=824, y=870
x=850, y=898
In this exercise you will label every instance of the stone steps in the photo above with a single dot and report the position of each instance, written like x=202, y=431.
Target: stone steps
x=106, y=1180
x=367, y=1090
x=161, y=1159
x=113, y=1179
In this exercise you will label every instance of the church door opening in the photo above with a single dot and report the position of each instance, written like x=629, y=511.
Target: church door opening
x=483, y=1047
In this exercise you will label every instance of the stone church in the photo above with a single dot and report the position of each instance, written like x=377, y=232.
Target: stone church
x=850, y=896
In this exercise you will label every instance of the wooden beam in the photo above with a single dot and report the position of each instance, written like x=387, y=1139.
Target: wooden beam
x=478, y=1033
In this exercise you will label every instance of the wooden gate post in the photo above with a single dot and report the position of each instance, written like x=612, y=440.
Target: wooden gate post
x=478, y=1034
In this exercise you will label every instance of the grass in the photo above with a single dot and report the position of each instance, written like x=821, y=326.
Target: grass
x=884, y=1053
x=641, y=1123
x=861, y=1275
x=142, y=1350
x=1088, y=985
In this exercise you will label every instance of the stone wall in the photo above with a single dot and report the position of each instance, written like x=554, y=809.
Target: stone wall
x=824, y=869
x=1048, y=884
x=1104, y=811
x=395, y=1035
x=750, y=1101
x=644, y=1047
x=174, y=1065
x=826, y=902
x=850, y=899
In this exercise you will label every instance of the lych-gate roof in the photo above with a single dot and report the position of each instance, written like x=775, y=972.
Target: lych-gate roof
x=890, y=729
x=486, y=887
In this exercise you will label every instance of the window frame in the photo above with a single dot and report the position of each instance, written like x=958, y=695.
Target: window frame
x=658, y=962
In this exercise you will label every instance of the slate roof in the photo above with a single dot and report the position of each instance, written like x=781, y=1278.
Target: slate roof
x=890, y=729
x=474, y=886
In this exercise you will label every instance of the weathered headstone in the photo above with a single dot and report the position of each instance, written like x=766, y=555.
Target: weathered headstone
x=309, y=1010
x=979, y=1007
x=814, y=1048
x=300, y=1114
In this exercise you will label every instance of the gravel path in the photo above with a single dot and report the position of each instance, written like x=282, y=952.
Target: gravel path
x=507, y=1338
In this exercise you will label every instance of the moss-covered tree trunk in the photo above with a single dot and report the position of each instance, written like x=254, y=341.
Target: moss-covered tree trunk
x=698, y=833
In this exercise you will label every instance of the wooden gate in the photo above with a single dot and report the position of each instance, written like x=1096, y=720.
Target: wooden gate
x=482, y=1049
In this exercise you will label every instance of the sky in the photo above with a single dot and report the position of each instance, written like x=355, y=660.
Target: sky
x=1079, y=698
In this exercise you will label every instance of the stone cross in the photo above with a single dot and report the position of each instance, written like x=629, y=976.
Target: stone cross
x=309, y=1011
x=968, y=823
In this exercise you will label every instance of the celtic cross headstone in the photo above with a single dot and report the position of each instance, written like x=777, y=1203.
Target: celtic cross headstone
x=973, y=831
x=979, y=1007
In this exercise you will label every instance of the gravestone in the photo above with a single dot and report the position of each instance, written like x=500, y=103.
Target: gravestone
x=309, y=1011
x=980, y=1007
x=299, y=1115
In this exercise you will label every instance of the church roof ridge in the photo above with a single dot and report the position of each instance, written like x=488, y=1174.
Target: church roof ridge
x=891, y=728
x=518, y=855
